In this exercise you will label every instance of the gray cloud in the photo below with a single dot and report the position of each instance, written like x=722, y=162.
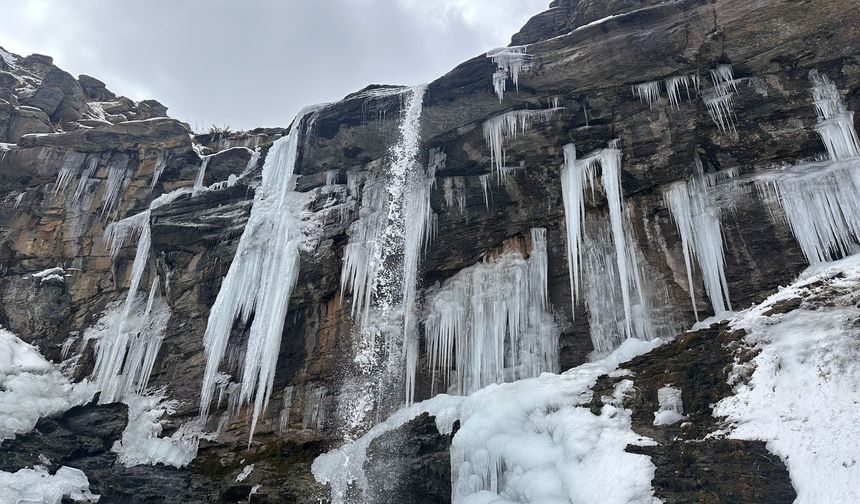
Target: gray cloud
x=257, y=62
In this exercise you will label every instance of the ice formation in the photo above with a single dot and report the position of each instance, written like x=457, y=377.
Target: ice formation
x=802, y=395
x=201, y=173
x=510, y=62
x=508, y=126
x=140, y=442
x=671, y=406
x=648, y=92
x=36, y=485
x=381, y=268
x=129, y=336
x=260, y=280
x=673, y=88
x=820, y=198
x=621, y=262
x=720, y=100
x=31, y=388
x=117, y=180
x=491, y=321
x=508, y=450
x=160, y=165
x=697, y=217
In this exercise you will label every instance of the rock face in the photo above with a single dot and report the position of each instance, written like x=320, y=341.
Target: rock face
x=585, y=55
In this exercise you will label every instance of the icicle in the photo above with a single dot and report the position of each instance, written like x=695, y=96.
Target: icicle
x=92, y=164
x=673, y=89
x=721, y=103
x=575, y=177
x=201, y=174
x=495, y=316
x=508, y=125
x=316, y=407
x=820, y=198
x=252, y=163
x=510, y=62
x=117, y=180
x=260, y=280
x=485, y=187
x=331, y=177
x=284, y=417
x=648, y=92
x=160, y=164
x=698, y=222
x=70, y=168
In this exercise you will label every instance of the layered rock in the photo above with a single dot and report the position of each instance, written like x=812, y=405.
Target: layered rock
x=585, y=57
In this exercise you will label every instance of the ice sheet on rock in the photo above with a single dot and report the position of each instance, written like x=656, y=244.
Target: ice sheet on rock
x=117, y=181
x=260, y=280
x=509, y=125
x=491, y=323
x=37, y=485
x=140, y=442
x=802, y=397
x=31, y=388
x=201, y=173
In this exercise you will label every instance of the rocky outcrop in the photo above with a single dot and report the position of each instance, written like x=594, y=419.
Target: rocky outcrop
x=585, y=56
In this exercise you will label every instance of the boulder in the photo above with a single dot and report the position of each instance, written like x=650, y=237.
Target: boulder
x=148, y=109
x=37, y=64
x=95, y=89
x=27, y=120
x=60, y=96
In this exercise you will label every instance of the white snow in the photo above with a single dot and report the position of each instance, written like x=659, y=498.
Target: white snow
x=36, y=485
x=803, y=397
x=246, y=471
x=491, y=322
x=31, y=388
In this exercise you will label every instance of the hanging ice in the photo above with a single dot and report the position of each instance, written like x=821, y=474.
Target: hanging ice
x=577, y=175
x=508, y=125
x=720, y=100
x=260, y=280
x=495, y=316
x=820, y=198
x=648, y=92
x=673, y=88
x=698, y=220
x=510, y=62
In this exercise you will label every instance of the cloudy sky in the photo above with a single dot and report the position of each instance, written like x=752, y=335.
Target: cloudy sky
x=257, y=62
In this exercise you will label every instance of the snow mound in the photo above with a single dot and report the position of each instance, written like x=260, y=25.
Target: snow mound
x=803, y=398
x=36, y=485
x=31, y=388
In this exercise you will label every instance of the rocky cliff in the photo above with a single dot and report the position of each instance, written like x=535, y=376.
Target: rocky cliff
x=712, y=91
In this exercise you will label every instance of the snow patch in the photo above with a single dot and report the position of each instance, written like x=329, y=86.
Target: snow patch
x=36, y=485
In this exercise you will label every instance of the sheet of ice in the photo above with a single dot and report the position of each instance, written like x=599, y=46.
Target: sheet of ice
x=803, y=396
x=36, y=485
x=31, y=388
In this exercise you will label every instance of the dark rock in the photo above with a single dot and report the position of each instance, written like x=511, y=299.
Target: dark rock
x=163, y=133
x=95, y=89
x=148, y=109
x=60, y=96
x=225, y=163
x=38, y=64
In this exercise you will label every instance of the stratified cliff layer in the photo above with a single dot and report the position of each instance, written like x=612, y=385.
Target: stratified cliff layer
x=76, y=158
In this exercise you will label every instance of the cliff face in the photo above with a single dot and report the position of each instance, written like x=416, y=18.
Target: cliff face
x=78, y=158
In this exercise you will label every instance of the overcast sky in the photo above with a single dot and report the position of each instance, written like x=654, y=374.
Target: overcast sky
x=257, y=62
